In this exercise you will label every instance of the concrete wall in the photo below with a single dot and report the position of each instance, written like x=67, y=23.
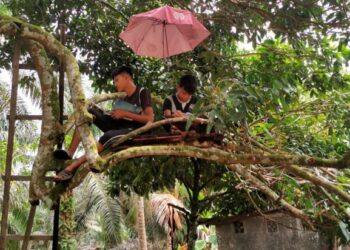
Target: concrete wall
x=259, y=233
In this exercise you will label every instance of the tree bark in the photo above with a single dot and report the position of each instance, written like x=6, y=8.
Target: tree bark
x=67, y=222
x=194, y=206
x=50, y=123
x=141, y=226
x=211, y=154
x=317, y=181
x=169, y=242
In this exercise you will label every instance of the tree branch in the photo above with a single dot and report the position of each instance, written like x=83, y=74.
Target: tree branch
x=271, y=194
x=317, y=181
x=182, y=209
x=50, y=123
x=335, y=203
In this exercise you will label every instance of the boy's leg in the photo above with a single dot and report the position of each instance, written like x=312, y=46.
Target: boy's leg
x=74, y=143
x=112, y=135
x=68, y=172
x=101, y=120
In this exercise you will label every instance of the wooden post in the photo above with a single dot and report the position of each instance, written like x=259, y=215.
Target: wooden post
x=61, y=103
x=61, y=80
x=29, y=227
x=10, y=144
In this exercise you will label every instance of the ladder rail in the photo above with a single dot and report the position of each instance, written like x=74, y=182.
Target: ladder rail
x=29, y=227
x=10, y=144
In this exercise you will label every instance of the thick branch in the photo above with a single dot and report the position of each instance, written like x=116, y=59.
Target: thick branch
x=50, y=109
x=212, y=154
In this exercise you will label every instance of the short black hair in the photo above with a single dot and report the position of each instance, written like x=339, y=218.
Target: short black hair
x=188, y=83
x=121, y=70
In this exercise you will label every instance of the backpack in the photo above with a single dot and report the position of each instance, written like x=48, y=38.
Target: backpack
x=121, y=104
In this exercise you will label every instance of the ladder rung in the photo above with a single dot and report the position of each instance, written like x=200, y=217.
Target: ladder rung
x=32, y=237
x=31, y=67
x=31, y=117
x=25, y=178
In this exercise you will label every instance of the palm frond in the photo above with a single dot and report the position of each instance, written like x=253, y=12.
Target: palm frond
x=109, y=209
x=86, y=203
x=166, y=215
x=26, y=131
x=95, y=199
x=31, y=87
x=18, y=220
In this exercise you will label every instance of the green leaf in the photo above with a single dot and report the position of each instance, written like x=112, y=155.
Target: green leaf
x=189, y=122
x=200, y=244
x=4, y=10
x=344, y=230
x=213, y=239
x=343, y=179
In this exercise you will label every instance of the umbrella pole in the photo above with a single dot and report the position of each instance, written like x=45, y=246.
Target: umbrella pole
x=165, y=37
x=166, y=47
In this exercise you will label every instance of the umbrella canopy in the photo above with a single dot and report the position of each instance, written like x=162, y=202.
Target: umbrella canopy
x=163, y=32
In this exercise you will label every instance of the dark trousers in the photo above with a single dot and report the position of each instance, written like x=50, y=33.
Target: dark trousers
x=111, y=127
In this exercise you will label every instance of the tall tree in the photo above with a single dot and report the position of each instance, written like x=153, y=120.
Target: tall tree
x=284, y=99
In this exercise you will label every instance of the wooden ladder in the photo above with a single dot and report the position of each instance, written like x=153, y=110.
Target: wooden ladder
x=8, y=177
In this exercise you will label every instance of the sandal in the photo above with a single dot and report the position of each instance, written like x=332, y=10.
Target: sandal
x=63, y=175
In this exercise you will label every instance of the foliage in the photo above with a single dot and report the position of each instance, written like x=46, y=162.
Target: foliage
x=96, y=206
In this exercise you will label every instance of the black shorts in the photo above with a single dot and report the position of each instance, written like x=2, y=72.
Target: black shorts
x=112, y=128
x=112, y=135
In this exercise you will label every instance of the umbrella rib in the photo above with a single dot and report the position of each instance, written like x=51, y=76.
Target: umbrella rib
x=143, y=38
x=185, y=39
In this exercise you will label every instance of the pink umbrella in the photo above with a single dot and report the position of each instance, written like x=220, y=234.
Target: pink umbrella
x=163, y=32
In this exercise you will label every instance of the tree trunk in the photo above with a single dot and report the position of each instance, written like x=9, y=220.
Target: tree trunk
x=141, y=227
x=169, y=245
x=194, y=206
x=67, y=223
x=192, y=233
x=50, y=111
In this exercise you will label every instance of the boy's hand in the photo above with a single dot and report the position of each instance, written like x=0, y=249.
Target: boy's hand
x=118, y=114
x=179, y=114
x=174, y=130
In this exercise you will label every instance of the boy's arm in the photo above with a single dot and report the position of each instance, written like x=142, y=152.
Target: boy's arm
x=146, y=116
x=167, y=108
x=167, y=113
